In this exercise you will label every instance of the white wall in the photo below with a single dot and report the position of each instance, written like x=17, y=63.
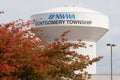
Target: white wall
x=91, y=51
x=105, y=77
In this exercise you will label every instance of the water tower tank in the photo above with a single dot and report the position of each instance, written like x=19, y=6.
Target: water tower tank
x=85, y=24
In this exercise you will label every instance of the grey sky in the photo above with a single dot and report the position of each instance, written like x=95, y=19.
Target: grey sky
x=15, y=9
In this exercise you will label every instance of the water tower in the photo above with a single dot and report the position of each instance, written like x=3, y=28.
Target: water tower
x=85, y=24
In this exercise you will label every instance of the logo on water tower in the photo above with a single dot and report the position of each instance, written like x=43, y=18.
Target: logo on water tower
x=61, y=16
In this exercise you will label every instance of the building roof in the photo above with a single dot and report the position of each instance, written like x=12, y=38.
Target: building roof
x=70, y=9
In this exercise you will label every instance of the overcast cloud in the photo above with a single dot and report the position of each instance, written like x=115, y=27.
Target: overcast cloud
x=15, y=9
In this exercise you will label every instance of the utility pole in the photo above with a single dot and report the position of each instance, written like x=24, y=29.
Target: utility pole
x=111, y=47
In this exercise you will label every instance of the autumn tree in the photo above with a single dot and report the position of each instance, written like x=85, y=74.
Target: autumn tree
x=24, y=56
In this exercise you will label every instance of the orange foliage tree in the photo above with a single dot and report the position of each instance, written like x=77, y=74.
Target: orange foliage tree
x=24, y=56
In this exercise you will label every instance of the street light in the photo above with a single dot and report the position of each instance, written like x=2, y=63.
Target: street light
x=111, y=46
